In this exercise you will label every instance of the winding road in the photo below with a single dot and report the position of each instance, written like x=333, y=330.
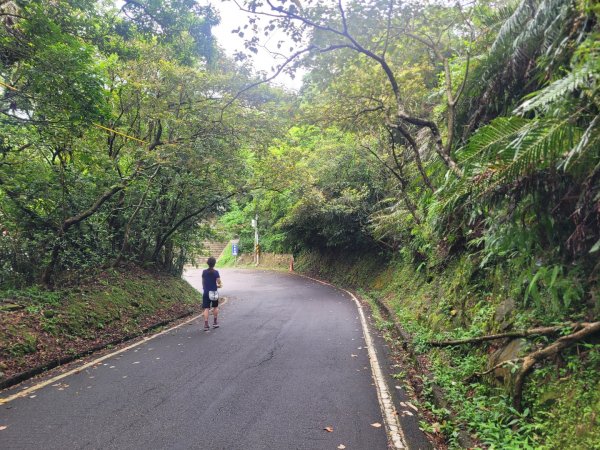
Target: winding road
x=289, y=361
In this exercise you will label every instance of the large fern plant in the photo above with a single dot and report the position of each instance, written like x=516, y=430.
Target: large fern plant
x=554, y=133
x=527, y=30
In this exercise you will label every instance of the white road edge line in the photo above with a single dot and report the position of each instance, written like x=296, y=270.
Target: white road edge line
x=390, y=417
x=43, y=384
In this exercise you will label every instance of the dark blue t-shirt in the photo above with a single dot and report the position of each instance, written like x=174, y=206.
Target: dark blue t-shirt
x=209, y=279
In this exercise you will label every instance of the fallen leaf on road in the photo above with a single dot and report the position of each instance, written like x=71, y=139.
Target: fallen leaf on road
x=354, y=356
x=3, y=427
x=32, y=396
x=137, y=362
x=328, y=429
x=410, y=405
x=376, y=425
x=407, y=413
x=341, y=446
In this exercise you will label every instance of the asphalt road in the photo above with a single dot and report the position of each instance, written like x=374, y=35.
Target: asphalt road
x=288, y=361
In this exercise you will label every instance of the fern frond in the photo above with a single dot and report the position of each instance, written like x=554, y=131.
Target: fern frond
x=562, y=88
x=514, y=149
x=512, y=27
x=590, y=139
x=540, y=145
x=548, y=21
x=498, y=16
x=489, y=140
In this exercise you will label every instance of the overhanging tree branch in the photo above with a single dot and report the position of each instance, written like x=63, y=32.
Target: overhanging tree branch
x=184, y=219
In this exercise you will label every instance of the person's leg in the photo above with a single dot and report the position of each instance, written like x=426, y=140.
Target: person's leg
x=215, y=316
x=206, y=306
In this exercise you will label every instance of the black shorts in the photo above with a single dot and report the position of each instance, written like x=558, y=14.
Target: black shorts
x=207, y=302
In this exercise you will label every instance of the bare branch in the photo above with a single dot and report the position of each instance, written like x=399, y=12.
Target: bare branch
x=539, y=331
x=464, y=81
x=388, y=28
x=343, y=14
x=68, y=223
x=279, y=70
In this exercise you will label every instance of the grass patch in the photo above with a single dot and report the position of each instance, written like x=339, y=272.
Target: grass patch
x=226, y=259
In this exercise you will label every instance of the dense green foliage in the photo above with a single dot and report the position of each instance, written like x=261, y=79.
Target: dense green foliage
x=460, y=142
x=115, y=142
x=473, y=131
x=468, y=152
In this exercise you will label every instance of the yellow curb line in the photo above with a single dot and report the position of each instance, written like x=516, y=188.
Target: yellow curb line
x=390, y=418
x=38, y=386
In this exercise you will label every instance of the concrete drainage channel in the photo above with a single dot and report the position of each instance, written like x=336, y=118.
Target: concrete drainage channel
x=438, y=396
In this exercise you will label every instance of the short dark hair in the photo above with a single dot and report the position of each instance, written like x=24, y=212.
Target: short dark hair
x=211, y=262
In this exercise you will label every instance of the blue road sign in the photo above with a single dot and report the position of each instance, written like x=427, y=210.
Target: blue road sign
x=234, y=249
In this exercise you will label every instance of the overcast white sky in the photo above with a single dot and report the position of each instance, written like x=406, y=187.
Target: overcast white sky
x=232, y=18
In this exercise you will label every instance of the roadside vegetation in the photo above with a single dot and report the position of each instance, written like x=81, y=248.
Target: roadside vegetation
x=449, y=166
x=116, y=154
x=39, y=327
x=444, y=158
x=430, y=307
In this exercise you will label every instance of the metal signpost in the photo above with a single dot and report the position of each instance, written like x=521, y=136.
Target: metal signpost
x=235, y=249
x=256, y=247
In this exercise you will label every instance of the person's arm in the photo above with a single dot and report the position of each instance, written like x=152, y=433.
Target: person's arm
x=219, y=282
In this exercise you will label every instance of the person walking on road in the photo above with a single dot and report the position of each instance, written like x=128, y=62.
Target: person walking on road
x=211, y=281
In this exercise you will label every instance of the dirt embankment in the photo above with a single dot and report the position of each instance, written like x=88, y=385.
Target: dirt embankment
x=39, y=327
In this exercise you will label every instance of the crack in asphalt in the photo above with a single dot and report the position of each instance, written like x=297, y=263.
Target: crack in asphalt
x=269, y=357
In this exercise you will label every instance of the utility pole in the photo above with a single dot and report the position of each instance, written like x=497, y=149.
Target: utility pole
x=256, y=247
